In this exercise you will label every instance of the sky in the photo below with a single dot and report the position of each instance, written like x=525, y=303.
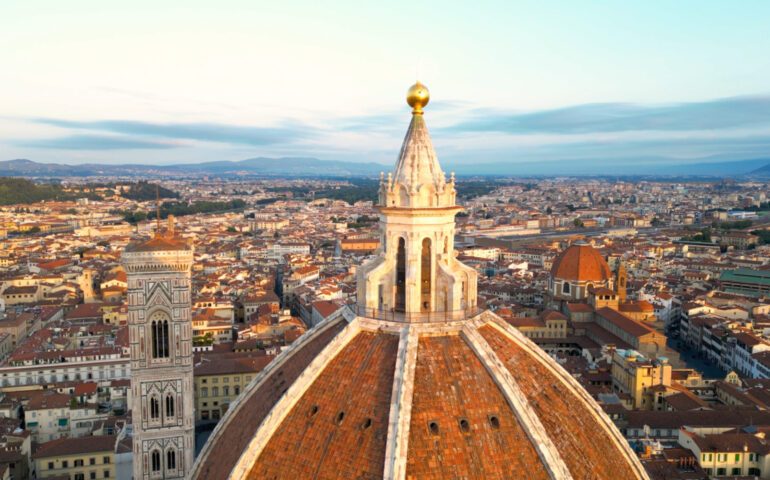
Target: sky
x=599, y=82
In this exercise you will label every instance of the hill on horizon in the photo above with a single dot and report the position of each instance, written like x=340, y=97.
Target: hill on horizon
x=305, y=166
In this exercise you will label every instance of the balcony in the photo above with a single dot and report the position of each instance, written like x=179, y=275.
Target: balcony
x=415, y=317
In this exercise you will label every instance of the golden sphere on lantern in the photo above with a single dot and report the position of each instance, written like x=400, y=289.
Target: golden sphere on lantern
x=417, y=97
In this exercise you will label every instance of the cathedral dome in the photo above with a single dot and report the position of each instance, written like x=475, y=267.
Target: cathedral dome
x=361, y=399
x=413, y=381
x=580, y=263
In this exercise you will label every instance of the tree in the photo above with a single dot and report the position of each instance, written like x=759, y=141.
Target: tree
x=657, y=222
x=578, y=222
x=549, y=210
x=231, y=229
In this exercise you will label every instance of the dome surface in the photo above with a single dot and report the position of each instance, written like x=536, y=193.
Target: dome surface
x=362, y=398
x=579, y=263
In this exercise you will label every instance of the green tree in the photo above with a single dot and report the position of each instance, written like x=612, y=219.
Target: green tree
x=578, y=223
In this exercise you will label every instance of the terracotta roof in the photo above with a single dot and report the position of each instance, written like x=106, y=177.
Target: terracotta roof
x=567, y=419
x=73, y=446
x=465, y=391
x=357, y=384
x=580, y=262
x=461, y=423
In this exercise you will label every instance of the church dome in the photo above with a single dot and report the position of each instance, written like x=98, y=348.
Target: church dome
x=580, y=263
x=361, y=399
x=414, y=381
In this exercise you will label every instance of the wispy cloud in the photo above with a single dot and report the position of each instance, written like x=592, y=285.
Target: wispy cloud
x=288, y=132
x=93, y=142
x=725, y=113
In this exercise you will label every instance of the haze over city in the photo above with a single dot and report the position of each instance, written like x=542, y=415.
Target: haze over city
x=629, y=83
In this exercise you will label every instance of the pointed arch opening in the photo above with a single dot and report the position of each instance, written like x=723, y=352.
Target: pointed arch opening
x=426, y=284
x=159, y=335
x=155, y=460
x=171, y=459
x=401, y=276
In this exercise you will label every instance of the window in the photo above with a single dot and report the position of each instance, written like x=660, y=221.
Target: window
x=92, y=461
x=159, y=338
x=65, y=464
x=215, y=392
x=106, y=460
x=737, y=457
x=225, y=390
x=737, y=471
x=106, y=474
x=169, y=405
x=565, y=287
x=79, y=463
x=721, y=471
x=204, y=392
x=93, y=475
x=171, y=460
x=80, y=476
x=50, y=466
x=237, y=390
x=154, y=408
x=155, y=459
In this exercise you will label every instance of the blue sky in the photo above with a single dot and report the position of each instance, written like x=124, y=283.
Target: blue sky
x=176, y=82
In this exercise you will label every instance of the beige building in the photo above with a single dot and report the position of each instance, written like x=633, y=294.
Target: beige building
x=220, y=379
x=721, y=453
x=636, y=375
x=77, y=458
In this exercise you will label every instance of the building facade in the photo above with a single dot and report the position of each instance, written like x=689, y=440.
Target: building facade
x=160, y=337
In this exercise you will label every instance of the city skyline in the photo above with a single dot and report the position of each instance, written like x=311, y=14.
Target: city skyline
x=513, y=84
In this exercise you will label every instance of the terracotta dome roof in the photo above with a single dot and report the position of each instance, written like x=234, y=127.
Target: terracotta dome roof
x=580, y=262
x=366, y=399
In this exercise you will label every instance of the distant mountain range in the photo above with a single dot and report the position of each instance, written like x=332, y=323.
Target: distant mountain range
x=299, y=166
x=289, y=166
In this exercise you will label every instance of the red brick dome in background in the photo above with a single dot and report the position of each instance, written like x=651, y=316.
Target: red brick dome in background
x=580, y=263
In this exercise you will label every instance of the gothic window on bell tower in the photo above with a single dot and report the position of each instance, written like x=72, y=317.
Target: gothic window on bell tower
x=154, y=408
x=159, y=335
x=169, y=405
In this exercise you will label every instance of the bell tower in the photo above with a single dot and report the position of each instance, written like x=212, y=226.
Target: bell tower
x=160, y=338
x=415, y=272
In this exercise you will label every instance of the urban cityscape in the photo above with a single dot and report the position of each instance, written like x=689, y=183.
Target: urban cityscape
x=272, y=311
